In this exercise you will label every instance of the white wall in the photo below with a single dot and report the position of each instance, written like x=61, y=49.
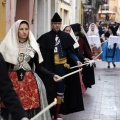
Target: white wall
x=53, y=10
x=72, y=11
x=46, y=10
x=43, y=16
x=10, y=13
x=77, y=11
x=68, y=1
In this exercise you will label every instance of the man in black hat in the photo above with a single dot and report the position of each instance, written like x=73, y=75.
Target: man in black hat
x=57, y=50
x=8, y=95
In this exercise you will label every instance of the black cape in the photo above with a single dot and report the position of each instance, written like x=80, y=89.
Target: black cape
x=88, y=72
x=47, y=42
x=8, y=95
x=73, y=101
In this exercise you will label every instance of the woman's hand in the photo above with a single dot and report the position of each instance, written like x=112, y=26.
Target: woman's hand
x=93, y=57
x=87, y=59
x=79, y=63
x=24, y=118
x=57, y=78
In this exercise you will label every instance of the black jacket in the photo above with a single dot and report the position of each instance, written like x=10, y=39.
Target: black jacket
x=7, y=93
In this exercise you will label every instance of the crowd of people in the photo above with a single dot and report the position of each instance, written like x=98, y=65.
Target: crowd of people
x=31, y=71
x=107, y=33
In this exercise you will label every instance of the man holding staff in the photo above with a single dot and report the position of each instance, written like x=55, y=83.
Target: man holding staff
x=57, y=50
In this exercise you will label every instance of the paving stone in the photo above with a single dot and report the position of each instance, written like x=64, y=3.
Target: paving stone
x=102, y=101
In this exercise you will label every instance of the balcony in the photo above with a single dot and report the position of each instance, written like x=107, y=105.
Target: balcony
x=105, y=7
x=87, y=6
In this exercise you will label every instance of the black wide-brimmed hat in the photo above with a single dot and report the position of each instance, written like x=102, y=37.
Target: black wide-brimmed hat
x=56, y=18
x=113, y=30
x=76, y=27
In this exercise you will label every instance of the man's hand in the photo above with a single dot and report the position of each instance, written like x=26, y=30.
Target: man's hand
x=57, y=78
x=93, y=57
x=86, y=59
x=79, y=63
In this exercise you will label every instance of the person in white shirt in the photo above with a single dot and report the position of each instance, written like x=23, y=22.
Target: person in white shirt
x=93, y=31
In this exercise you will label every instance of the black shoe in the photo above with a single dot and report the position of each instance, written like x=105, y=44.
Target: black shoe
x=114, y=65
x=108, y=66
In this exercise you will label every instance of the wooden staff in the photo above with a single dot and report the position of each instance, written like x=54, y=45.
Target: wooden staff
x=70, y=73
x=79, y=65
x=45, y=109
x=86, y=63
x=98, y=55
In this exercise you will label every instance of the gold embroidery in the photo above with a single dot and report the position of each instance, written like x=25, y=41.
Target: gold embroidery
x=67, y=66
x=58, y=60
x=61, y=61
x=21, y=57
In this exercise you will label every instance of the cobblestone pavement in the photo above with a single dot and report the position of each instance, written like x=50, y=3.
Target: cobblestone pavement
x=102, y=102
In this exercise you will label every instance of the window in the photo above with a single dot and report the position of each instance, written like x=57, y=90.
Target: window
x=68, y=1
x=90, y=2
x=65, y=16
x=105, y=7
x=105, y=1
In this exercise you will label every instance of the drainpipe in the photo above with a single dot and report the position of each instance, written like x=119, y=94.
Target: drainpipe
x=57, y=6
x=49, y=15
x=7, y=15
x=12, y=11
x=35, y=18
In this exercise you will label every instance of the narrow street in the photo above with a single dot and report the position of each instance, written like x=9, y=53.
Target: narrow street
x=37, y=38
x=102, y=102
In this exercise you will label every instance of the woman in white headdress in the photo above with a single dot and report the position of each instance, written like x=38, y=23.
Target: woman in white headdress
x=68, y=29
x=21, y=51
x=111, y=54
x=73, y=84
x=93, y=31
x=88, y=71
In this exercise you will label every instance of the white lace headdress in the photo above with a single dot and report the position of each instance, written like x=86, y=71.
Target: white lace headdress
x=96, y=31
x=9, y=47
x=76, y=44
